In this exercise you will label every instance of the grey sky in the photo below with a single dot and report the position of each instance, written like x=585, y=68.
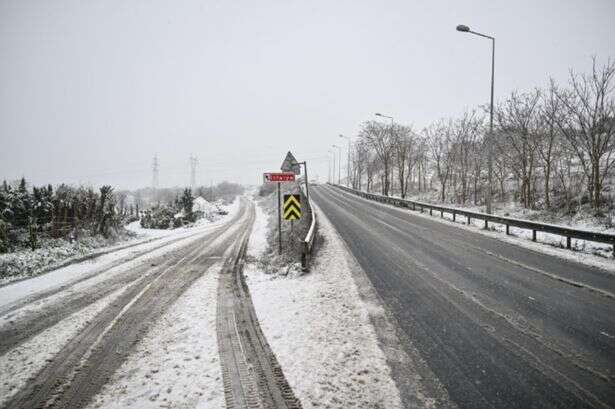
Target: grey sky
x=91, y=90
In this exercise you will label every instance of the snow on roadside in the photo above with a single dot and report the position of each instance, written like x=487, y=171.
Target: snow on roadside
x=546, y=243
x=176, y=364
x=258, y=239
x=13, y=292
x=19, y=364
x=320, y=329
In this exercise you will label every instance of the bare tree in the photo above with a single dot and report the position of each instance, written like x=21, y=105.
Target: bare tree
x=465, y=134
x=380, y=138
x=589, y=123
x=516, y=120
x=548, y=137
x=402, y=143
x=360, y=157
x=440, y=140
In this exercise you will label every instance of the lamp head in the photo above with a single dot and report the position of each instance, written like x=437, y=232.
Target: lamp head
x=463, y=28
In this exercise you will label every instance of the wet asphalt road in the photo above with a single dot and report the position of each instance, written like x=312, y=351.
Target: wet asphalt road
x=492, y=321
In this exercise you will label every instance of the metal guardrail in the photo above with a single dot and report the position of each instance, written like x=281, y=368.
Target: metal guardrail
x=564, y=231
x=308, y=241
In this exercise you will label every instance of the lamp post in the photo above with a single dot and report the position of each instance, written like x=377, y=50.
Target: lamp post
x=332, y=173
x=466, y=29
x=347, y=161
x=385, y=116
x=339, y=165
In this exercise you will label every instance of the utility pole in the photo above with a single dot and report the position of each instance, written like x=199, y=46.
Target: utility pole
x=339, y=165
x=332, y=177
x=155, y=176
x=347, y=161
x=193, y=162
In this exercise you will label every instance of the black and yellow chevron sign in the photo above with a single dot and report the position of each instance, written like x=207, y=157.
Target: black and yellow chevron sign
x=292, y=207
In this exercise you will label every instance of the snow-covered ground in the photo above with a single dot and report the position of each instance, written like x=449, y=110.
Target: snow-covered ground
x=185, y=335
x=64, y=276
x=176, y=365
x=19, y=364
x=319, y=327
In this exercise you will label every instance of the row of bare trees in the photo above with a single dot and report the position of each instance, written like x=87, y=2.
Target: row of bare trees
x=552, y=148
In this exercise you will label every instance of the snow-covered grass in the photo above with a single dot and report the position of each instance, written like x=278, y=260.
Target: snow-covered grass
x=176, y=364
x=25, y=262
x=319, y=327
x=583, y=218
x=64, y=276
x=19, y=364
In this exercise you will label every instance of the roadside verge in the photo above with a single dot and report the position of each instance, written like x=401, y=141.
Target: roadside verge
x=322, y=329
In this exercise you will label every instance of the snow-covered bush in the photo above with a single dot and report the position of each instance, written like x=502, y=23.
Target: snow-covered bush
x=160, y=217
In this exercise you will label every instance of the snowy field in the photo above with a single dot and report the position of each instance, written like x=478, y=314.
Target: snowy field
x=319, y=327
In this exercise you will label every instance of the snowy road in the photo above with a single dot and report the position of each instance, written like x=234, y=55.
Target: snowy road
x=63, y=344
x=500, y=326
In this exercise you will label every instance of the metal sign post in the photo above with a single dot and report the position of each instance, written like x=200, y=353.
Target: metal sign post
x=290, y=167
x=279, y=222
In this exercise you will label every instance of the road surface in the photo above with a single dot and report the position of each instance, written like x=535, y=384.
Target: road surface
x=493, y=321
x=148, y=288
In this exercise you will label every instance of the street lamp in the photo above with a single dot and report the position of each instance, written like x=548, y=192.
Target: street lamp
x=385, y=116
x=347, y=161
x=339, y=165
x=466, y=29
x=330, y=173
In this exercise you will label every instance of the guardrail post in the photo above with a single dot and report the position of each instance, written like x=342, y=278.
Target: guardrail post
x=430, y=213
x=568, y=243
x=507, y=229
x=441, y=213
x=421, y=208
x=486, y=224
x=533, y=235
x=454, y=216
x=469, y=220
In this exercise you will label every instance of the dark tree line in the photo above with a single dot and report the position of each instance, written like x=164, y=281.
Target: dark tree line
x=62, y=213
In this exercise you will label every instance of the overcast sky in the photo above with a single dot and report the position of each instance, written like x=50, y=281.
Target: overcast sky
x=91, y=90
